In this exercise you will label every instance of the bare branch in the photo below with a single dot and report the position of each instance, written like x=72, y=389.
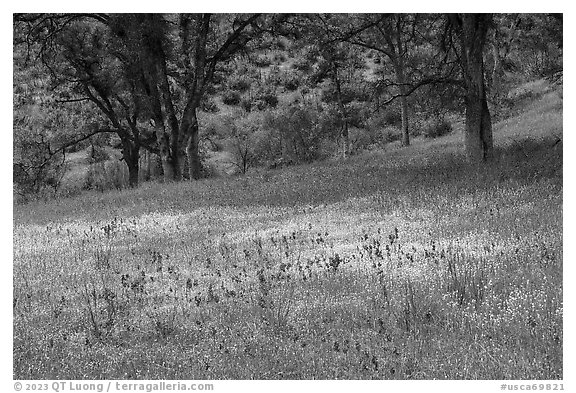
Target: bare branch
x=221, y=53
x=73, y=100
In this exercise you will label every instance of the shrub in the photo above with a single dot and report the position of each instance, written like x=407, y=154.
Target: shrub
x=279, y=44
x=209, y=105
x=270, y=99
x=436, y=128
x=231, y=98
x=391, y=134
x=415, y=128
x=384, y=119
x=279, y=58
x=392, y=118
x=209, y=170
x=265, y=99
x=241, y=141
x=106, y=175
x=362, y=95
x=218, y=127
x=267, y=146
x=259, y=104
x=239, y=84
x=328, y=95
x=360, y=139
x=292, y=83
x=246, y=104
x=98, y=154
x=274, y=77
x=348, y=95
x=302, y=65
x=96, y=177
x=35, y=169
x=300, y=130
x=358, y=114
x=262, y=61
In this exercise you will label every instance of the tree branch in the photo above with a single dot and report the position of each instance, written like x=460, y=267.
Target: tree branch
x=419, y=85
x=73, y=100
x=221, y=53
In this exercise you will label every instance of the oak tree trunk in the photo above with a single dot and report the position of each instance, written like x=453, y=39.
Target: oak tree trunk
x=194, y=167
x=404, y=115
x=344, y=133
x=178, y=162
x=399, y=51
x=131, y=156
x=478, y=135
x=133, y=171
x=165, y=154
x=190, y=141
x=405, y=127
x=147, y=165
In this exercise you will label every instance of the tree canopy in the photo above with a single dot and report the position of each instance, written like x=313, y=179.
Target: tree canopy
x=152, y=82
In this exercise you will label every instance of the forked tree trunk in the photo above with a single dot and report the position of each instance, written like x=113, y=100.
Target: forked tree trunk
x=180, y=147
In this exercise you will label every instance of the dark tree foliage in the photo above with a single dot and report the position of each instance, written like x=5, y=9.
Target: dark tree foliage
x=146, y=73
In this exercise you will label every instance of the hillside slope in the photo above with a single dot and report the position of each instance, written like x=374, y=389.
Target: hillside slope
x=422, y=165
x=397, y=264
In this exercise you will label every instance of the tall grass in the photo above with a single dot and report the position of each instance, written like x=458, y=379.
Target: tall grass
x=404, y=264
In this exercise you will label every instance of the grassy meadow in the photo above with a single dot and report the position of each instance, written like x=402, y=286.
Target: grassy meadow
x=407, y=263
